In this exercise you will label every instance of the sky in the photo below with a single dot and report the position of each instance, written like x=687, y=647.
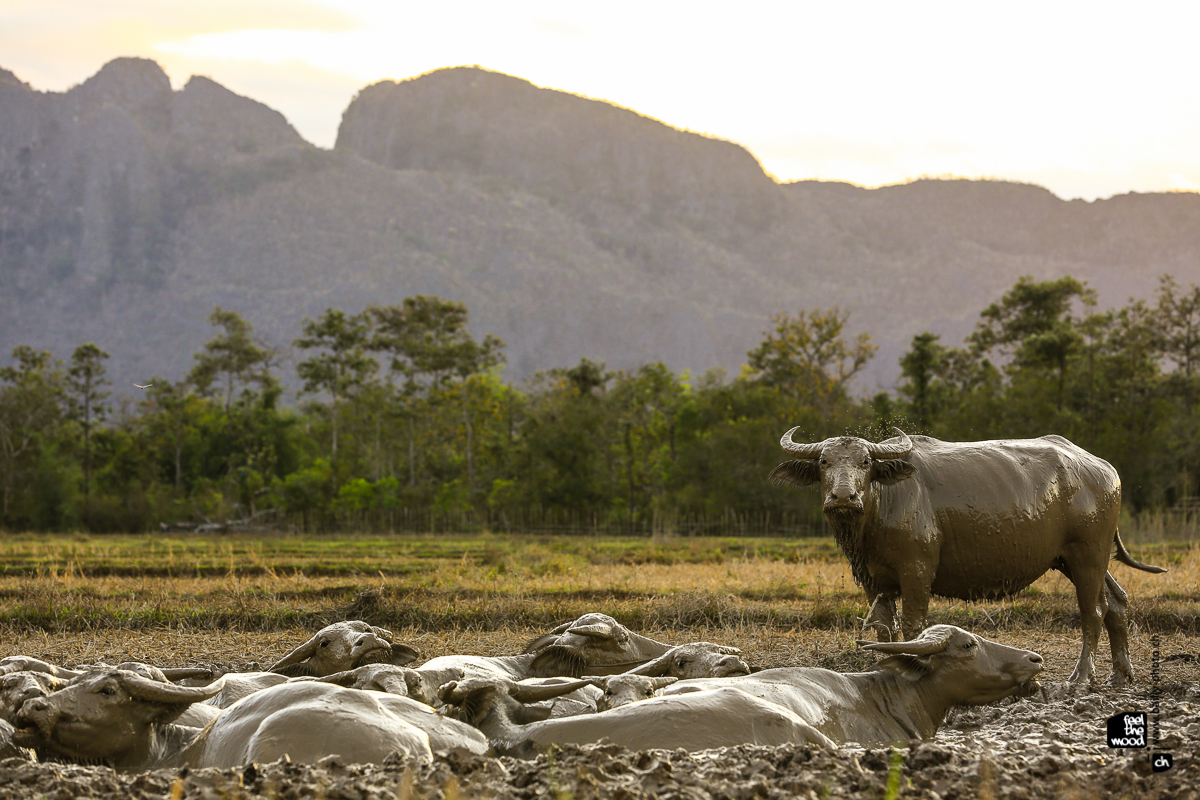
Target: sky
x=1089, y=99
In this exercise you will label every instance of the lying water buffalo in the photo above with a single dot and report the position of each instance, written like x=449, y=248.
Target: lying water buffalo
x=907, y=698
x=917, y=682
x=342, y=646
x=594, y=643
x=128, y=721
x=721, y=717
x=917, y=517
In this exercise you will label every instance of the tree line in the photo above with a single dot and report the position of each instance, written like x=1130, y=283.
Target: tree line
x=405, y=423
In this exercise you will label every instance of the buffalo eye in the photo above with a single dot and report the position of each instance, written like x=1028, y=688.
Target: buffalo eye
x=325, y=643
x=108, y=690
x=867, y=461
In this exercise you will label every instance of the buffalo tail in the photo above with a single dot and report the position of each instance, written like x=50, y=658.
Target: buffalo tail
x=1129, y=561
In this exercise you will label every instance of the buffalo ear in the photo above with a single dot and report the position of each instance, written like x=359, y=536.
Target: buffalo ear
x=546, y=639
x=800, y=473
x=892, y=470
x=907, y=666
x=403, y=654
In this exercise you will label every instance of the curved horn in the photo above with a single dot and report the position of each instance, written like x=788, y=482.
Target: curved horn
x=27, y=664
x=183, y=673
x=922, y=646
x=535, y=693
x=811, y=450
x=659, y=683
x=158, y=692
x=595, y=630
x=382, y=633
x=345, y=678
x=301, y=653
x=653, y=668
x=898, y=449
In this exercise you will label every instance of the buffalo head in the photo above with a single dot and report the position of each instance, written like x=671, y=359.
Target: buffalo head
x=343, y=646
x=595, y=643
x=960, y=667
x=104, y=715
x=846, y=467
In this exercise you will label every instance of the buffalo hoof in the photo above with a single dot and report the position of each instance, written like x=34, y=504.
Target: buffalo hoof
x=1080, y=676
x=1119, y=680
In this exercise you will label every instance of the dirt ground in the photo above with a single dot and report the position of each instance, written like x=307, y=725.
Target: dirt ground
x=1051, y=745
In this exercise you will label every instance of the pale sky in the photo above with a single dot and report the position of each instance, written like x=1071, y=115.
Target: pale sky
x=1088, y=99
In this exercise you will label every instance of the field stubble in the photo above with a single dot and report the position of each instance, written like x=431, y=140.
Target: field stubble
x=194, y=600
x=179, y=600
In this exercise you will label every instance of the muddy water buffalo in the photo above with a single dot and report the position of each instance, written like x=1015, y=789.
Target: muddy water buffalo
x=128, y=721
x=342, y=646
x=907, y=697
x=917, y=517
x=702, y=720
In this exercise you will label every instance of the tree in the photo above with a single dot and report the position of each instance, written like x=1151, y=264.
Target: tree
x=85, y=401
x=808, y=356
x=172, y=414
x=233, y=358
x=566, y=444
x=1179, y=316
x=920, y=366
x=1132, y=400
x=646, y=404
x=1033, y=323
x=430, y=346
x=30, y=409
x=343, y=368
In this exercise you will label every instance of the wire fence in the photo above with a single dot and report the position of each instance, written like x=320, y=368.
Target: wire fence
x=555, y=522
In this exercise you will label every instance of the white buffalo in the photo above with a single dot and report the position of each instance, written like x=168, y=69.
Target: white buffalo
x=906, y=699
x=127, y=721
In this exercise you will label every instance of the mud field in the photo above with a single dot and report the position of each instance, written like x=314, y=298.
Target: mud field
x=1048, y=746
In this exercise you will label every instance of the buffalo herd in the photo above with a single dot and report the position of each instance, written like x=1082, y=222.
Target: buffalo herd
x=916, y=518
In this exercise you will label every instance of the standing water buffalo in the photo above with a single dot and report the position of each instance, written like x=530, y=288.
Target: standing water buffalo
x=917, y=517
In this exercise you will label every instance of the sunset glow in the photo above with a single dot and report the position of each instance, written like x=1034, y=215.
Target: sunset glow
x=1086, y=102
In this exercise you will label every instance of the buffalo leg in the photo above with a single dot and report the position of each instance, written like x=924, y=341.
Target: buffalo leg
x=914, y=597
x=882, y=617
x=1093, y=604
x=1118, y=632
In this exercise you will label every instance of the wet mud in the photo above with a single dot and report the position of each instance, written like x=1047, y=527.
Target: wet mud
x=1051, y=745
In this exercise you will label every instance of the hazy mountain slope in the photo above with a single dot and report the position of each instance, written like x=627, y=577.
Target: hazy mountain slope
x=591, y=155
x=570, y=227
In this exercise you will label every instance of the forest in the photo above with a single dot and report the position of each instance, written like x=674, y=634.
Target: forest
x=404, y=423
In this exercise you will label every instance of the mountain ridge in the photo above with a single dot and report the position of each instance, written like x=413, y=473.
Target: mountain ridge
x=570, y=227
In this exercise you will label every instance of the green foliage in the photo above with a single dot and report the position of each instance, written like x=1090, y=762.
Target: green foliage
x=807, y=358
x=86, y=403
x=437, y=440
x=232, y=358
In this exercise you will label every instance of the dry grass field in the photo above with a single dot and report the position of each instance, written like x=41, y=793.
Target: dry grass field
x=243, y=603
x=188, y=599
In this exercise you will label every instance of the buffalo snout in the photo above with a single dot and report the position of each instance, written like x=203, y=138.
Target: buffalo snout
x=1033, y=664
x=729, y=666
x=848, y=500
x=368, y=642
x=34, y=722
x=845, y=491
